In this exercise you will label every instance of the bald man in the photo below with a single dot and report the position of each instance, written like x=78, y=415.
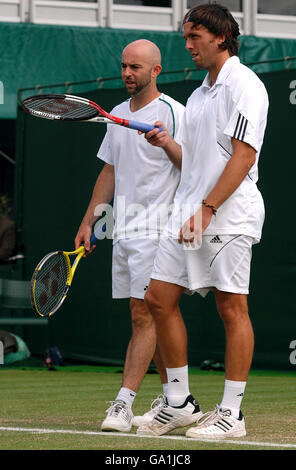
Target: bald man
x=141, y=180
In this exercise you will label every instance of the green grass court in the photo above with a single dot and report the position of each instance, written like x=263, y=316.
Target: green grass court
x=73, y=398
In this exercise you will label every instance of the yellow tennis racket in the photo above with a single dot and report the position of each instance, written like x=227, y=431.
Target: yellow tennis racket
x=53, y=277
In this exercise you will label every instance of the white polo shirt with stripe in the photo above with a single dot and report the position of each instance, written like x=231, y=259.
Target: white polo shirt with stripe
x=235, y=106
x=145, y=178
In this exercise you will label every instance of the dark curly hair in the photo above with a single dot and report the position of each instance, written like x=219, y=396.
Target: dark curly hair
x=218, y=20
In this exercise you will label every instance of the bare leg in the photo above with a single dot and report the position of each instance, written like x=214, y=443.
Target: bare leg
x=140, y=351
x=141, y=347
x=160, y=365
x=162, y=299
x=233, y=309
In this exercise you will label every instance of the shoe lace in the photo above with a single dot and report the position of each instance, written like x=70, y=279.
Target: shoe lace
x=158, y=402
x=116, y=407
x=212, y=417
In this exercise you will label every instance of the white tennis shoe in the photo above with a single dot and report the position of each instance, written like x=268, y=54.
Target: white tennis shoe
x=218, y=424
x=149, y=415
x=169, y=418
x=119, y=417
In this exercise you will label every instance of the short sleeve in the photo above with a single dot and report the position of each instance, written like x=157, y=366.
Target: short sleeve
x=104, y=152
x=246, y=111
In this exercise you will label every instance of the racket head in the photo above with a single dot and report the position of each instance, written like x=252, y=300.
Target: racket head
x=50, y=283
x=61, y=107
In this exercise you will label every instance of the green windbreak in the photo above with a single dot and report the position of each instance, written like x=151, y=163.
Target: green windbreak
x=37, y=55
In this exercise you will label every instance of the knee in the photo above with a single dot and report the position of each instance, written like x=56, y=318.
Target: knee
x=141, y=316
x=153, y=303
x=156, y=305
x=162, y=299
x=232, y=314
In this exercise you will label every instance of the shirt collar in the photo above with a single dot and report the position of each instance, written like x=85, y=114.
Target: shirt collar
x=224, y=72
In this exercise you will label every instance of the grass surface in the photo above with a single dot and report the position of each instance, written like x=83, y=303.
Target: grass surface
x=74, y=398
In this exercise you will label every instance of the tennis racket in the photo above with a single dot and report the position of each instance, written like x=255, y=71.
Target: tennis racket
x=75, y=108
x=53, y=277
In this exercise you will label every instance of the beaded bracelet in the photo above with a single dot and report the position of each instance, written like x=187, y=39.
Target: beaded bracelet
x=213, y=208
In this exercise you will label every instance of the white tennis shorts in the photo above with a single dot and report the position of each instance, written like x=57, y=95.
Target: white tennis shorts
x=132, y=264
x=222, y=261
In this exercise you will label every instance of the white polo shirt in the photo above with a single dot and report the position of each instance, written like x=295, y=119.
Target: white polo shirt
x=145, y=178
x=235, y=106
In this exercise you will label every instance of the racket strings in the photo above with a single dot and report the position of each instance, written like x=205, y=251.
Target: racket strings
x=62, y=108
x=50, y=284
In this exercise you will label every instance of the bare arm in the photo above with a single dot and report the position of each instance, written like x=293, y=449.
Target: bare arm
x=237, y=168
x=167, y=143
x=103, y=193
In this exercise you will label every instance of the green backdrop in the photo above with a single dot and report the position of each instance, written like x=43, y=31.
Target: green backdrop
x=57, y=168
x=36, y=55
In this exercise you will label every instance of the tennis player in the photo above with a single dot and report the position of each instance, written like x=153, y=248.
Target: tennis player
x=143, y=181
x=224, y=127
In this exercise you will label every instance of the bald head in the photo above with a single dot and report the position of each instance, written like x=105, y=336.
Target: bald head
x=140, y=67
x=143, y=50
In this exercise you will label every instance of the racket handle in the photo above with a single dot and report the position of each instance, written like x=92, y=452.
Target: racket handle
x=140, y=126
x=93, y=238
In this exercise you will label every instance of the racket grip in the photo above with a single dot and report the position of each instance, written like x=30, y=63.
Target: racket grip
x=140, y=126
x=93, y=238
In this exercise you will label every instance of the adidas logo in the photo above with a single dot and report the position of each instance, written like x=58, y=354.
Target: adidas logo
x=175, y=380
x=216, y=239
x=240, y=395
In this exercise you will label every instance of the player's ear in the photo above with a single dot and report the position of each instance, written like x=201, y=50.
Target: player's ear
x=220, y=40
x=156, y=70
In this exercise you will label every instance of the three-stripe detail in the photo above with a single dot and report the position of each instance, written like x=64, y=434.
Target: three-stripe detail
x=240, y=128
x=223, y=425
x=164, y=417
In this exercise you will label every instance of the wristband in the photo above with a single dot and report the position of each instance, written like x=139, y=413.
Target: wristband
x=213, y=208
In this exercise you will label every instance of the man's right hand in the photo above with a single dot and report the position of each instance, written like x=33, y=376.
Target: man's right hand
x=83, y=237
x=158, y=138
x=166, y=142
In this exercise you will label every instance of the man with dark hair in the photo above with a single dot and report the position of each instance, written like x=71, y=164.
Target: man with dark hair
x=219, y=21
x=218, y=215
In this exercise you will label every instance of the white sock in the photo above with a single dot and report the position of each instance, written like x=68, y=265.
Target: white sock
x=165, y=389
x=178, y=386
x=233, y=395
x=126, y=395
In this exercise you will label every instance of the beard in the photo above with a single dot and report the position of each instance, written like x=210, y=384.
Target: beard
x=140, y=86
